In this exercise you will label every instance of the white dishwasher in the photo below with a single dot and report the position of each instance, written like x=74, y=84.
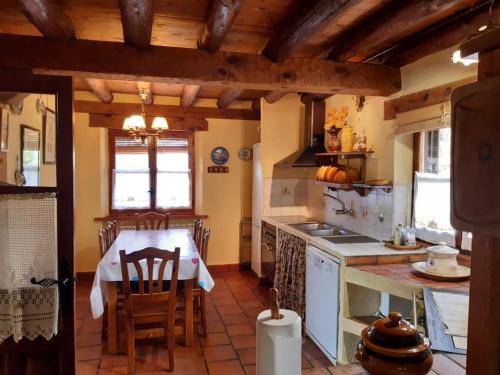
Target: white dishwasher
x=322, y=300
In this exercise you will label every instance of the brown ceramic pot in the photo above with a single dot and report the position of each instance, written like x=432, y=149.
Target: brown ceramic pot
x=392, y=346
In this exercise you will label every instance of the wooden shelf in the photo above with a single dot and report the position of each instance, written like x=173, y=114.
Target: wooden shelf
x=346, y=155
x=362, y=188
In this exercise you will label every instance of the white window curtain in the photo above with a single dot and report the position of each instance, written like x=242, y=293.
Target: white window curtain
x=432, y=117
x=28, y=248
x=432, y=208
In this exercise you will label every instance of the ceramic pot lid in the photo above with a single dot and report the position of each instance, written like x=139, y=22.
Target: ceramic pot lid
x=395, y=337
x=442, y=250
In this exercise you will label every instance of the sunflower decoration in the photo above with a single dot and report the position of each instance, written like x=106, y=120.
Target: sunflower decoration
x=336, y=120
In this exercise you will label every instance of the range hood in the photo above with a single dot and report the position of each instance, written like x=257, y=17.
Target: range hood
x=314, y=138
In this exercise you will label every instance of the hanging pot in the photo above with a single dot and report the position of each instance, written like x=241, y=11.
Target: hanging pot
x=392, y=346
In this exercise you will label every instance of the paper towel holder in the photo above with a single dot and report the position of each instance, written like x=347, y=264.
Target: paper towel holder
x=275, y=307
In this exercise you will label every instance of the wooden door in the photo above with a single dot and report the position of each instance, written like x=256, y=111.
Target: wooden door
x=55, y=355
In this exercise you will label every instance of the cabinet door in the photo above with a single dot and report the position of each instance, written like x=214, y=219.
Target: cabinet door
x=322, y=293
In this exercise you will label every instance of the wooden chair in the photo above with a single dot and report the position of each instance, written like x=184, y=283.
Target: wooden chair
x=152, y=304
x=113, y=230
x=103, y=241
x=198, y=292
x=151, y=220
x=197, y=232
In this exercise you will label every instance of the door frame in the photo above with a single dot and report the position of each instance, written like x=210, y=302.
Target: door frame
x=16, y=80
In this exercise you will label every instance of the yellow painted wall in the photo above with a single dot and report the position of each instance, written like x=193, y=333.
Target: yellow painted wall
x=393, y=154
x=225, y=198
x=31, y=117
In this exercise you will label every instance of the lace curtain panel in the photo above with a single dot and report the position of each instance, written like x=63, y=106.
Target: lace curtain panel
x=28, y=248
x=290, y=273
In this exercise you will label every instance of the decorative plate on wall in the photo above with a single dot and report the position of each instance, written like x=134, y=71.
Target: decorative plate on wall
x=245, y=153
x=220, y=155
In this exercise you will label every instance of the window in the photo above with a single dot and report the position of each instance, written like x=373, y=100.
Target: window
x=156, y=175
x=432, y=188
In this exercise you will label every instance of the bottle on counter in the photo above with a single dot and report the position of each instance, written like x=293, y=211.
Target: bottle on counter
x=396, y=239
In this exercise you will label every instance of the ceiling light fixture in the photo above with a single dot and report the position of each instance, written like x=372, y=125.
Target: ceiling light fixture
x=136, y=124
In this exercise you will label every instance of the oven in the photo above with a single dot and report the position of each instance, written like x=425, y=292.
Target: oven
x=268, y=251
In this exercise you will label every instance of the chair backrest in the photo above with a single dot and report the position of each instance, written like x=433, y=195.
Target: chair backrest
x=110, y=229
x=150, y=289
x=204, y=245
x=197, y=232
x=103, y=241
x=152, y=220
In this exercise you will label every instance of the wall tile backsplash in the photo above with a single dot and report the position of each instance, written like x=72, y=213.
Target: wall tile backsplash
x=375, y=215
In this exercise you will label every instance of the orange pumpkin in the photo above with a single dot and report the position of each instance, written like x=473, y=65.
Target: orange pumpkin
x=330, y=174
x=320, y=174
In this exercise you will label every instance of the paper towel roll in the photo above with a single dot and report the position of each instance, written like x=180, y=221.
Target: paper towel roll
x=279, y=344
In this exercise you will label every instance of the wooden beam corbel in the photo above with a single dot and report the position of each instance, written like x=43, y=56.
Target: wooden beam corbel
x=145, y=88
x=99, y=88
x=189, y=93
x=309, y=19
x=49, y=18
x=137, y=22
x=227, y=97
x=221, y=17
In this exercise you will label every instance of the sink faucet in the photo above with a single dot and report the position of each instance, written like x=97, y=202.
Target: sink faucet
x=343, y=210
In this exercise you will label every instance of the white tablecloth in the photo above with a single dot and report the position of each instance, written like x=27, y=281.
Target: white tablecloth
x=190, y=266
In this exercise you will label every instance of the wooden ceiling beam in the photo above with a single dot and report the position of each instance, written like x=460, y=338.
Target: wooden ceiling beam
x=49, y=18
x=274, y=96
x=310, y=18
x=395, y=22
x=307, y=98
x=128, y=109
x=228, y=96
x=145, y=88
x=137, y=22
x=445, y=35
x=99, y=88
x=221, y=17
x=110, y=60
x=189, y=93
x=97, y=120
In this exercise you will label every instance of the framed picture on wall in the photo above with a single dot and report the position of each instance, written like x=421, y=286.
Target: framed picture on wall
x=4, y=129
x=49, y=137
x=30, y=155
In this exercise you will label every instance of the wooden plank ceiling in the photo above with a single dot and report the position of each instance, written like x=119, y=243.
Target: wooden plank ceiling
x=291, y=32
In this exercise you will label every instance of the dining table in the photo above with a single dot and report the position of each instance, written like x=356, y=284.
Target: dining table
x=108, y=274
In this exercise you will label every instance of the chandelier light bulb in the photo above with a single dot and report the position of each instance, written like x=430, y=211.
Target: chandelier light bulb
x=160, y=123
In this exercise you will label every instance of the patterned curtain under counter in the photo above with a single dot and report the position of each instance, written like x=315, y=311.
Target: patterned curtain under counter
x=290, y=274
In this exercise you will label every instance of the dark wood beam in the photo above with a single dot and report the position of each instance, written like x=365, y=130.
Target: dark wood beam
x=228, y=96
x=128, y=109
x=274, y=96
x=485, y=42
x=110, y=60
x=310, y=18
x=410, y=102
x=99, y=88
x=308, y=98
x=256, y=104
x=49, y=18
x=395, y=22
x=137, y=22
x=221, y=17
x=189, y=93
x=453, y=31
x=145, y=88
x=97, y=120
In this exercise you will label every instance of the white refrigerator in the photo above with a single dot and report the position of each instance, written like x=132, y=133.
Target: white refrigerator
x=257, y=207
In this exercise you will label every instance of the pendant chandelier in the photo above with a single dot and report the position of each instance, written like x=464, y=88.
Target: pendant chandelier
x=136, y=124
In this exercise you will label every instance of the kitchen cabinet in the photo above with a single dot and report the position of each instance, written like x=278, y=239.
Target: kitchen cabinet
x=322, y=300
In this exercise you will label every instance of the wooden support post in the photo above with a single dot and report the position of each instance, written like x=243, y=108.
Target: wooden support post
x=137, y=22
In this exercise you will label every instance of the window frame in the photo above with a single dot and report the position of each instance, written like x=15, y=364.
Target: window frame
x=418, y=166
x=152, y=157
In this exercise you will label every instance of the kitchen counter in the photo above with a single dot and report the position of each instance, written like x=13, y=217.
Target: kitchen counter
x=363, y=251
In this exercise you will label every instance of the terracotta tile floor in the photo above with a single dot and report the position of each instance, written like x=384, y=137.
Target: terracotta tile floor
x=232, y=308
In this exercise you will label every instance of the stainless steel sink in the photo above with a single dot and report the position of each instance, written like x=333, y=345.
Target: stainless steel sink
x=321, y=229
x=350, y=239
x=329, y=232
x=306, y=227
